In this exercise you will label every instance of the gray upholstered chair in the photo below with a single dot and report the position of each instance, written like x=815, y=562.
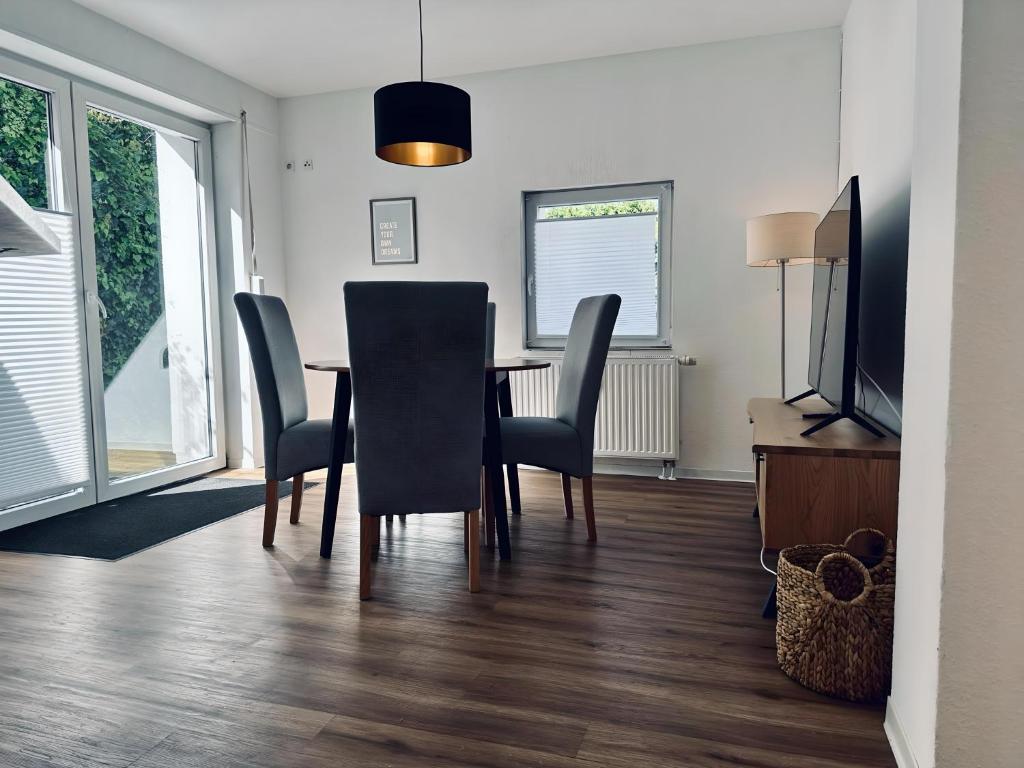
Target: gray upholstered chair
x=292, y=443
x=416, y=353
x=504, y=406
x=565, y=443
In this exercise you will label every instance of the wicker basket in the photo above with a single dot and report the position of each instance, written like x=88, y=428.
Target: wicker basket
x=835, y=616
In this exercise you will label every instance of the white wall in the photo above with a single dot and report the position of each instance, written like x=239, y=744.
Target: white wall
x=877, y=140
x=743, y=128
x=182, y=278
x=911, y=712
x=70, y=38
x=980, y=718
x=877, y=131
x=138, y=399
x=243, y=418
x=958, y=675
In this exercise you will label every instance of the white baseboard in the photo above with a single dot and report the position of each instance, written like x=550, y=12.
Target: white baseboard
x=725, y=475
x=644, y=468
x=898, y=739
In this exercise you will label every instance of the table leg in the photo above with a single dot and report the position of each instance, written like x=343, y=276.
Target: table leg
x=336, y=460
x=770, y=609
x=492, y=460
x=505, y=411
x=487, y=518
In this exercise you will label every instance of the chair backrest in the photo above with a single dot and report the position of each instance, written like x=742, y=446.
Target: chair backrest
x=586, y=351
x=416, y=351
x=277, y=366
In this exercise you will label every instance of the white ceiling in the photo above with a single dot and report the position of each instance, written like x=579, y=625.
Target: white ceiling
x=294, y=47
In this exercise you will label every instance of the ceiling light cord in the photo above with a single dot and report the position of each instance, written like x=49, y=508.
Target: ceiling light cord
x=421, y=40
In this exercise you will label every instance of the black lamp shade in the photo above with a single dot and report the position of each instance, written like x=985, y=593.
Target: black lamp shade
x=422, y=123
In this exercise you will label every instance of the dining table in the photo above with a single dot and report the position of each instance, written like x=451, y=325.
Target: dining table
x=491, y=448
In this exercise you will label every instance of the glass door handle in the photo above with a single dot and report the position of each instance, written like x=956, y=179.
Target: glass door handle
x=95, y=301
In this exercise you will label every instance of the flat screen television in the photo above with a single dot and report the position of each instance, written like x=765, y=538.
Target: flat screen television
x=835, y=306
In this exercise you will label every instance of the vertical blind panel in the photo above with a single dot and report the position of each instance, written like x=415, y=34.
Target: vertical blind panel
x=44, y=446
x=575, y=258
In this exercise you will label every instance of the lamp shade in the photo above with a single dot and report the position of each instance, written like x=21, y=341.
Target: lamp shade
x=781, y=237
x=422, y=123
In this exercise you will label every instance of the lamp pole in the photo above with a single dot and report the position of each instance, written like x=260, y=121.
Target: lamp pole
x=782, y=315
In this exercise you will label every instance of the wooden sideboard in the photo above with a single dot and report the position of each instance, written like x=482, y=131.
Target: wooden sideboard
x=817, y=489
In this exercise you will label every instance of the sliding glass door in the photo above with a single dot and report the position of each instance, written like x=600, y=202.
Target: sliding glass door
x=108, y=348
x=145, y=205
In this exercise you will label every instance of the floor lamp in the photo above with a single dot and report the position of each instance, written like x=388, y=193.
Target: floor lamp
x=776, y=240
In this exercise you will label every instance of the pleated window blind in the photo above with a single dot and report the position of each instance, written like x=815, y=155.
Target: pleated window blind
x=583, y=243
x=575, y=258
x=44, y=444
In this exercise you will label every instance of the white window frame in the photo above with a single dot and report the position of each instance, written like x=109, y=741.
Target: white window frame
x=62, y=199
x=534, y=199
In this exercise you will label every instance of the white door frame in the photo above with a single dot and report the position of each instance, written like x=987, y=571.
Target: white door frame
x=82, y=97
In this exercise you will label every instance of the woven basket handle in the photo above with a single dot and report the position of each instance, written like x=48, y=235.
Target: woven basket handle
x=869, y=543
x=853, y=563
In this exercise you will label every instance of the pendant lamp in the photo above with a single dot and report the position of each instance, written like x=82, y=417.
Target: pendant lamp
x=422, y=123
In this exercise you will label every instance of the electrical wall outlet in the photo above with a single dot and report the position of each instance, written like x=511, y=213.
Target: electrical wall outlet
x=307, y=165
x=290, y=165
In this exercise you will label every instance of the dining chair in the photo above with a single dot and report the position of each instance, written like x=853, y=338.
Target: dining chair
x=293, y=444
x=504, y=407
x=565, y=443
x=416, y=353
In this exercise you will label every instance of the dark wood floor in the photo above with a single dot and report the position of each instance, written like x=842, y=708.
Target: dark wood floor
x=645, y=650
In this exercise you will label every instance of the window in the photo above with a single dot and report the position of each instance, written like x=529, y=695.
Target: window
x=25, y=141
x=585, y=242
x=45, y=449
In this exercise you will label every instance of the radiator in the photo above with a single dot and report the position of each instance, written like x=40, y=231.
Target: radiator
x=637, y=415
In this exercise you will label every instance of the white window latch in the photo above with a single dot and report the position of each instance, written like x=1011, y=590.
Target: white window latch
x=95, y=301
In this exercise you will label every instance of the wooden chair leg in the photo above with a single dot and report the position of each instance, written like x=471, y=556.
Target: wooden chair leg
x=567, y=495
x=588, y=508
x=375, y=535
x=367, y=525
x=473, y=526
x=270, y=514
x=296, y=499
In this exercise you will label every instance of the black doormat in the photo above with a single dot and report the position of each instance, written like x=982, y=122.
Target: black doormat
x=122, y=527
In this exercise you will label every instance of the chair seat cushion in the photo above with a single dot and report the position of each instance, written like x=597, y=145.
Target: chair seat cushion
x=306, y=446
x=542, y=442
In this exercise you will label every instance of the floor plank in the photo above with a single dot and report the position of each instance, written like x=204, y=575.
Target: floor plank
x=646, y=649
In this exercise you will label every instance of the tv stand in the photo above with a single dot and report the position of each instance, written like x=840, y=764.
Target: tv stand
x=798, y=398
x=819, y=490
x=832, y=418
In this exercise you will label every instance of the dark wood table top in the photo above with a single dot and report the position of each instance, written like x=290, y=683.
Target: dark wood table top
x=507, y=364
x=777, y=429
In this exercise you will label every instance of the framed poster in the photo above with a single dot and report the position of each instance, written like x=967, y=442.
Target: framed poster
x=393, y=230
